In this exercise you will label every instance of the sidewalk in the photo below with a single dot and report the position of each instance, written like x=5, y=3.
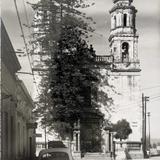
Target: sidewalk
x=96, y=156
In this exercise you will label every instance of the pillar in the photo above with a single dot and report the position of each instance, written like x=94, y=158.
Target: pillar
x=76, y=141
x=108, y=141
x=128, y=19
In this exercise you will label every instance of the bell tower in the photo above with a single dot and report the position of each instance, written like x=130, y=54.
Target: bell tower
x=123, y=41
x=123, y=37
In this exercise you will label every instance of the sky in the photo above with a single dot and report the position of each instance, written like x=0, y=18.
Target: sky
x=148, y=28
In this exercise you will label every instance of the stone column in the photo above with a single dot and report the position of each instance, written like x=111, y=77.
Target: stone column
x=128, y=20
x=111, y=137
x=118, y=19
x=76, y=141
x=121, y=21
x=131, y=20
x=112, y=23
x=108, y=141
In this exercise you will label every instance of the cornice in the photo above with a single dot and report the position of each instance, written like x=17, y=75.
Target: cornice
x=123, y=7
x=124, y=35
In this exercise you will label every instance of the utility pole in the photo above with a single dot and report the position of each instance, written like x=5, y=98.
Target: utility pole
x=143, y=146
x=45, y=129
x=145, y=99
x=149, y=135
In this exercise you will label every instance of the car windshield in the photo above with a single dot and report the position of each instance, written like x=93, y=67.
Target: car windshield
x=55, y=156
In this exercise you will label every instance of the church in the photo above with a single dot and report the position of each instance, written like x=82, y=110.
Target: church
x=124, y=74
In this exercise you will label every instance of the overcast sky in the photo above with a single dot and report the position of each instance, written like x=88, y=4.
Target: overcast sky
x=148, y=26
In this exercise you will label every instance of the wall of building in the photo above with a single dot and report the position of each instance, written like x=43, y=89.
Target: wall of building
x=127, y=101
x=18, y=127
x=16, y=115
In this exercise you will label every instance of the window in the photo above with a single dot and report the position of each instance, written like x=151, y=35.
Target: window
x=115, y=25
x=125, y=20
x=125, y=52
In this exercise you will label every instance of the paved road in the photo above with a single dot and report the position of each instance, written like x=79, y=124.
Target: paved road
x=97, y=158
x=151, y=158
x=103, y=157
x=157, y=158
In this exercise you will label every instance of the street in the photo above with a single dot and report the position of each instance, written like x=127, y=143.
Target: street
x=151, y=158
x=108, y=158
x=158, y=158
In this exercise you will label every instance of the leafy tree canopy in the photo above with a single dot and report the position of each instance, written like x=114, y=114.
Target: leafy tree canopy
x=71, y=83
x=122, y=129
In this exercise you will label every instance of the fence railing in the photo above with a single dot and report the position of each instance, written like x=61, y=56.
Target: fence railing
x=107, y=59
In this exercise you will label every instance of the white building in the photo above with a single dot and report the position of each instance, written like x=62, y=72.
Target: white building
x=17, y=121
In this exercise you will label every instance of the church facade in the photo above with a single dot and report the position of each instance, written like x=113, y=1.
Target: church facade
x=125, y=74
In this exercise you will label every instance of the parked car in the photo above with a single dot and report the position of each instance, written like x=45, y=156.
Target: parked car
x=55, y=154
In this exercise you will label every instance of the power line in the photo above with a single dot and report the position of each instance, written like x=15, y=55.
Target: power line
x=26, y=15
x=25, y=43
x=139, y=101
x=156, y=86
x=28, y=26
x=142, y=89
x=20, y=23
x=155, y=97
x=136, y=103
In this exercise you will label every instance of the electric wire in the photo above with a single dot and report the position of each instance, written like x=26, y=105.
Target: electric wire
x=156, y=86
x=25, y=43
x=151, y=99
x=143, y=89
x=137, y=101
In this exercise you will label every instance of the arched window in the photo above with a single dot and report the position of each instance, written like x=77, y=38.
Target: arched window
x=125, y=20
x=115, y=22
x=125, y=52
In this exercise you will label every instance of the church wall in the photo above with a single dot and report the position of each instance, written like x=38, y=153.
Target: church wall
x=128, y=103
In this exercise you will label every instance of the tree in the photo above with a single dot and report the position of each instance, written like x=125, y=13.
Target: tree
x=70, y=85
x=122, y=129
x=154, y=145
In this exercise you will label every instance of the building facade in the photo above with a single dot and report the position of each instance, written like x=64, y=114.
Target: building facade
x=125, y=75
x=17, y=123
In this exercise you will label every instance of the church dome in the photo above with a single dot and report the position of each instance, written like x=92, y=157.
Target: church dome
x=130, y=1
